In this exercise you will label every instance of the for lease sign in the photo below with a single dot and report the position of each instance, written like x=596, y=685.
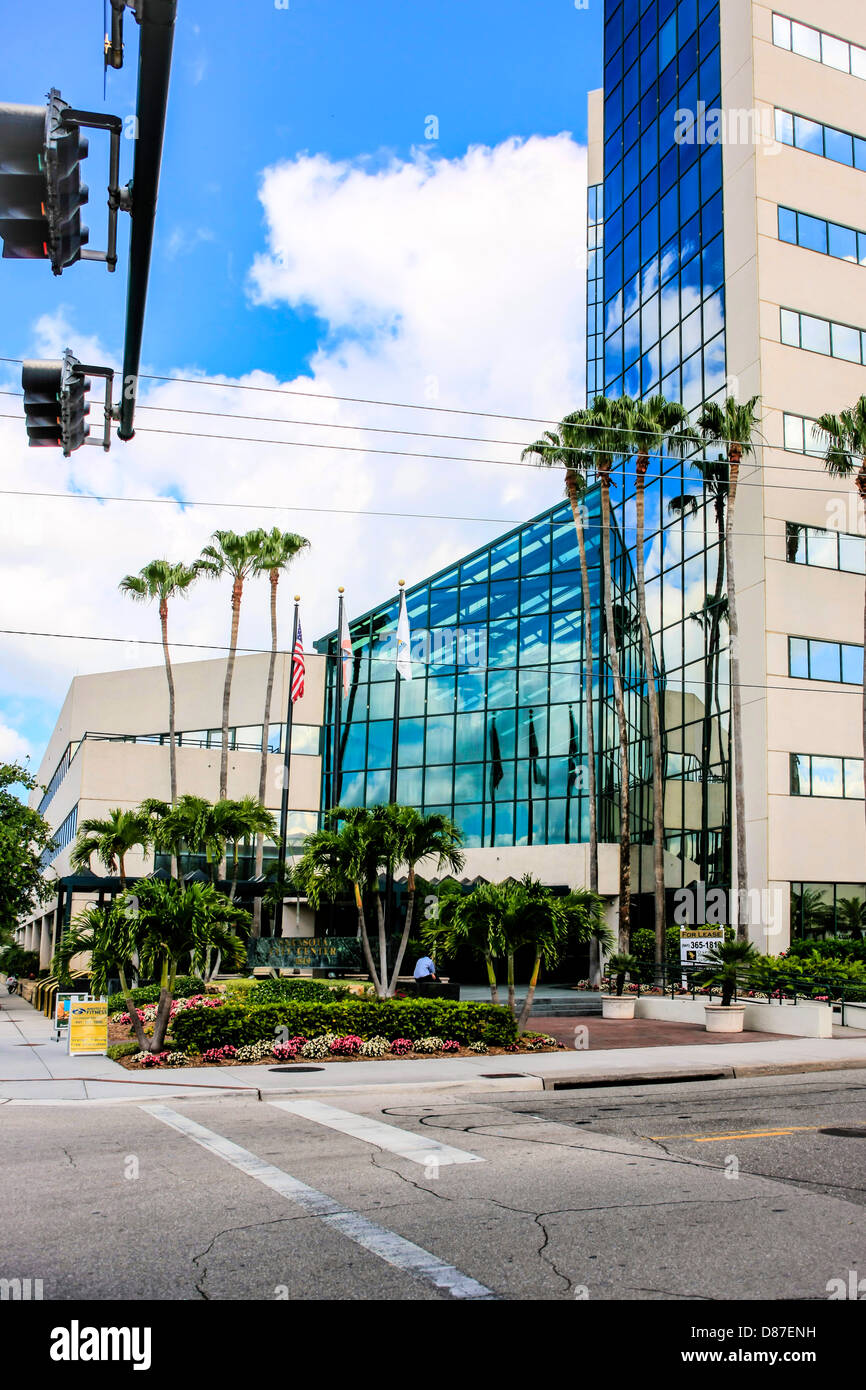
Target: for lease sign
x=697, y=943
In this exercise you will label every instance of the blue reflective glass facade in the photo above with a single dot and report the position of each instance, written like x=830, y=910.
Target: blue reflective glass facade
x=492, y=726
x=664, y=332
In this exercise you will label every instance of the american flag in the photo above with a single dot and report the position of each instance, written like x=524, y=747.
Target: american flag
x=298, y=668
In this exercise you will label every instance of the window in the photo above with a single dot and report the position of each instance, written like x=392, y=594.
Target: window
x=800, y=437
x=828, y=909
x=814, y=775
x=820, y=47
x=823, y=140
x=812, y=334
x=812, y=659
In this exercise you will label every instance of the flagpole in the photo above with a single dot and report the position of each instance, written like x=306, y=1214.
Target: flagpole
x=338, y=706
x=287, y=754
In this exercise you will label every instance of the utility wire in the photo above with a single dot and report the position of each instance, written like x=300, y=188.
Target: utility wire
x=334, y=656
x=566, y=522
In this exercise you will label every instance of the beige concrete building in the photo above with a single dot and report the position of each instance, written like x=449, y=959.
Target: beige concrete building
x=110, y=748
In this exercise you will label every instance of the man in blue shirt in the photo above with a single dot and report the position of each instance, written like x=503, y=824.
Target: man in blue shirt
x=425, y=972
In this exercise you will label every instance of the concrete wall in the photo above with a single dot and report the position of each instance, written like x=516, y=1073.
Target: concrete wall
x=795, y=1020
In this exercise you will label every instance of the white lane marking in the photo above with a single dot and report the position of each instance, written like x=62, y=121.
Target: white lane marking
x=390, y=1247
x=416, y=1147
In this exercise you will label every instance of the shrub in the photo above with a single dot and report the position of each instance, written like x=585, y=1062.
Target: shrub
x=285, y=989
x=124, y=1049
x=537, y=1042
x=254, y=1052
x=218, y=1054
x=375, y=1047
x=14, y=960
x=452, y=1045
x=288, y=1051
x=319, y=1047
x=478, y=1047
x=184, y=987
x=349, y=1046
x=427, y=1045
x=400, y=1046
x=832, y=948
x=197, y=1029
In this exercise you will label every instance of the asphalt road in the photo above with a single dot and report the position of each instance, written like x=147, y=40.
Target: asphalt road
x=648, y=1193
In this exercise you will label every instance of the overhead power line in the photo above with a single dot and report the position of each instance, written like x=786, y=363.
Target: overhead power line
x=334, y=656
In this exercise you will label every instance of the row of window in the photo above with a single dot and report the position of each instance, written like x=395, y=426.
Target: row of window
x=814, y=660
x=832, y=550
x=812, y=334
x=813, y=775
x=799, y=435
x=824, y=140
x=818, y=45
x=817, y=234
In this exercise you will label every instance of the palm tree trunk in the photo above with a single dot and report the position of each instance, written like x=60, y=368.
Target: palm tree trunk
x=132, y=1011
x=736, y=706
x=404, y=940
x=613, y=658
x=510, y=961
x=711, y=694
x=655, y=727
x=530, y=995
x=237, y=594
x=263, y=769
x=365, y=941
x=491, y=980
x=169, y=676
x=383, y=945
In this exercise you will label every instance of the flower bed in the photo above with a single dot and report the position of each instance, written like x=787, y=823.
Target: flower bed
x=333, y=1047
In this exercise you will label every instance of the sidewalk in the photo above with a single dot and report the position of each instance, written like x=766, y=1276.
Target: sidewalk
x=34, y=1070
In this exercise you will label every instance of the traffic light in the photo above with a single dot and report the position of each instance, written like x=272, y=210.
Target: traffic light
x=55, y=403
x=41, y=193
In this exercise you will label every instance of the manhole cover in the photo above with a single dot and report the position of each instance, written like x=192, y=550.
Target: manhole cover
x=846, y=1133
x=293, y=1068
x=499, y=1075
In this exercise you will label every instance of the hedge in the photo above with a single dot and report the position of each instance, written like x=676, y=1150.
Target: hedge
x=198, y=1029
x=301, y=991
x=185, y=986
x=831, y=948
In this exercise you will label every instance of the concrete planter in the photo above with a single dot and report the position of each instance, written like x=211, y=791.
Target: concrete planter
x=721, y=1018
x=618, y=1005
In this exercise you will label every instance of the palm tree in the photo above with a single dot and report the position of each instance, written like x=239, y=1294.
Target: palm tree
x=558, y=450
x=346, y=857
x=108, y=934
x=846, y=458
x=732, y=425
x=471, y=920
x=111, y=840
x=160, y=580
x=420, y=837
x=599, y=431
x=244, y=819
x=278, y=550
x=851, y=916
x=184, y=829
x=548, y=923
x=729, y=965
x=238, y=557
x=173, y=921
x=649, y=427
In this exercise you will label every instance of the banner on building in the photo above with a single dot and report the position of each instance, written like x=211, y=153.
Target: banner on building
x=88, y=1028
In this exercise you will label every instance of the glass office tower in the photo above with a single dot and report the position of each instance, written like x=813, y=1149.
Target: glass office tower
x=664, y=332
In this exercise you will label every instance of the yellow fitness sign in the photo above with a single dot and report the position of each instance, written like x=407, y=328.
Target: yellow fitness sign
x=88, y=1027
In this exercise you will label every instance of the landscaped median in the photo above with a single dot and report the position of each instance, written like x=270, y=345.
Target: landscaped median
x=208, y=1030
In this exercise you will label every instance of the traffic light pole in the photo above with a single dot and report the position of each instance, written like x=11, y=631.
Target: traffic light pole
x=118, y=198
x=157, y=20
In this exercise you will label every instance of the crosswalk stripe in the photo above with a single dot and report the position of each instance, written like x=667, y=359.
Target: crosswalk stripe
x=418, y=1148
x=387, y=1245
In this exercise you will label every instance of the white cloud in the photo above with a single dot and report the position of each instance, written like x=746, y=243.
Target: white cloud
x=457, y=283
x=14, y=748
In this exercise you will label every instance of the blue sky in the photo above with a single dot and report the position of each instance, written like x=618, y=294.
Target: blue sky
x=310, y=233
x=253, y=84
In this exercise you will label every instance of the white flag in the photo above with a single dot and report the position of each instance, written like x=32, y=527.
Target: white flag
x=404, y=640
x=345, y=652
